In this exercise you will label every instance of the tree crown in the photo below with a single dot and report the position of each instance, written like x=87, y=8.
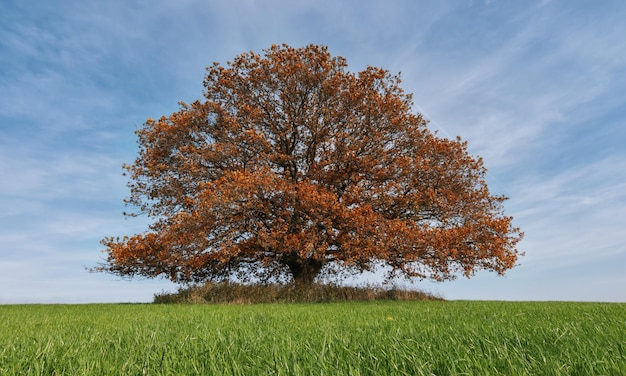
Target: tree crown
x=293, y=166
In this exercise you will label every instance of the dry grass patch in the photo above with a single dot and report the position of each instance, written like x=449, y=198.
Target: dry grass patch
x=226, y=292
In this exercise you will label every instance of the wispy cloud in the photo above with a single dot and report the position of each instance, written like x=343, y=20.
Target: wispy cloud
x=507, y=99
x=576, y=215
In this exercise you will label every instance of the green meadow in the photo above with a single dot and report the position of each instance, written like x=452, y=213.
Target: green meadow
x=347, y=338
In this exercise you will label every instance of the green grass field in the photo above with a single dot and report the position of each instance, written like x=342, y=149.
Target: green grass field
x=352, y=338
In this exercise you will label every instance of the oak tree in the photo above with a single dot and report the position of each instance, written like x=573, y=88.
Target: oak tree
x=293, y=167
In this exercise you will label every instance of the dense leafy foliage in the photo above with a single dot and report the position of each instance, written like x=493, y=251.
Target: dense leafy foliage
x=293, y=166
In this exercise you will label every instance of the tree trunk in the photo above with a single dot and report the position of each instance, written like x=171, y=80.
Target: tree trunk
x=302, y=270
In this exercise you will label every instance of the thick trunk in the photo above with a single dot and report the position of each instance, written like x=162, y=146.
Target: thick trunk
x=303, y=271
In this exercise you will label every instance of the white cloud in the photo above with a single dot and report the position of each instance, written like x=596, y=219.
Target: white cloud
x=576, y=215
x=507, y=100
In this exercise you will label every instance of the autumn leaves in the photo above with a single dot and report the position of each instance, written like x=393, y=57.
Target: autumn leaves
x=293, y=166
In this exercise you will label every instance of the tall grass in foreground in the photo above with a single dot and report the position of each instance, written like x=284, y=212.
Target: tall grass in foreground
x=351, y=338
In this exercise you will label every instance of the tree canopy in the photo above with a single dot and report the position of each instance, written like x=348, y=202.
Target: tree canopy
x=293, y=167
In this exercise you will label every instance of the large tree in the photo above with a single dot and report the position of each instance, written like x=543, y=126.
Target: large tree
x=291, y=167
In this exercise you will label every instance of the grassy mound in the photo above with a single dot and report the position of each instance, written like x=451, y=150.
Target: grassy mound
x=227, y=292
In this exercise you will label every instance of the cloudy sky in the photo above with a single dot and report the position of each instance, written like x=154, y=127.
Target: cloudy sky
x=537, y=88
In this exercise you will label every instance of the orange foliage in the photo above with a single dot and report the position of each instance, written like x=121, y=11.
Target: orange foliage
x=293, y=166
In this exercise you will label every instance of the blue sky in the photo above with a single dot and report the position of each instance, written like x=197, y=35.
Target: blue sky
x=537, y=88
